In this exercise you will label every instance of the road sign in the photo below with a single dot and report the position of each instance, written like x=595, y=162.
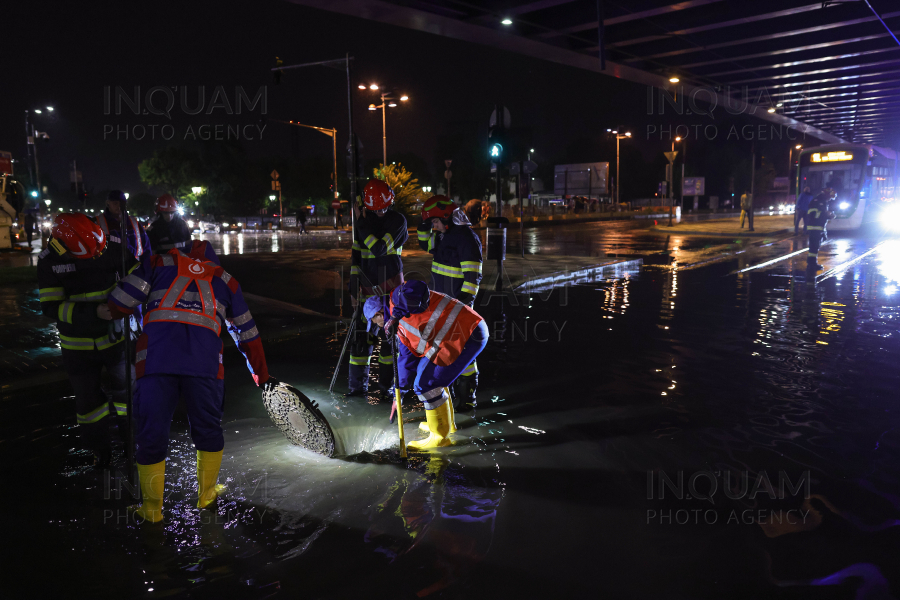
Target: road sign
x=694, y=186
x=276, y=186
x=448, y=162
x=671, y=156
x=448, y=174
x=527, y=165
x=274, y=174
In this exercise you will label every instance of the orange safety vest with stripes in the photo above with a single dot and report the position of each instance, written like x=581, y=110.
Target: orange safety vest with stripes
x=189, y=271
x=440, y=332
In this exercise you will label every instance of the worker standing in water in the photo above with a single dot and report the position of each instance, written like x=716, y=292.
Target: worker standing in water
x=179, y=355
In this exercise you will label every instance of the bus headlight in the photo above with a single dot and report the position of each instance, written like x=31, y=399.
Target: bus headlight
x=844, y=205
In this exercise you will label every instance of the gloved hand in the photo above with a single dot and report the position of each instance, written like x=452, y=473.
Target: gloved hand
x=270, y=383
x=466, y=298
x=390, y=328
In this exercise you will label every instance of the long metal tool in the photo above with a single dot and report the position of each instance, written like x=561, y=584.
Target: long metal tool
x=129, y=437
x=397, y=397
x=350, y=331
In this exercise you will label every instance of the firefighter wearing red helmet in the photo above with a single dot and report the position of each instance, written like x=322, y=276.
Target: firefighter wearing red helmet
x=377, y=268
x=168, y=231
x=447, y=234
x=76, y=272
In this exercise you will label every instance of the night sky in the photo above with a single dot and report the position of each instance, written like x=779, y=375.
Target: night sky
x=65, y=55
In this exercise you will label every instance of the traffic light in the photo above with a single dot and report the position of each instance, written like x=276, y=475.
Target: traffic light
x=496, y=152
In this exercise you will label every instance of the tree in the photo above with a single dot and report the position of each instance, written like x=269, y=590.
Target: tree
x=174, y=169
x=407, y=191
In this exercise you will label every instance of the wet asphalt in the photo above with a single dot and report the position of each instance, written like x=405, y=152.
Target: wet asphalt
x=687, y=428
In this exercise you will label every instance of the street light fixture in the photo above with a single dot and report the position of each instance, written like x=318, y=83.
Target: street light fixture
x=619, y=136
x=386, y=102
x=674, y=79
x=507, y=21
x=196, y=190
x=791, y=162
x=272, y=198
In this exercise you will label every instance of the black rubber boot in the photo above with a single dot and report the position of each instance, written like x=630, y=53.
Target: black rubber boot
x=464, y=389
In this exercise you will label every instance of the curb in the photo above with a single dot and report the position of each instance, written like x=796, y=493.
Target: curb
x=720, y=233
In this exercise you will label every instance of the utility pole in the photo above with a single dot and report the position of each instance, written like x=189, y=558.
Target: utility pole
x=752, y=184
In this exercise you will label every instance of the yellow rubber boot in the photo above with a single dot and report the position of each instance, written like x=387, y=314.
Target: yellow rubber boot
x=208, y=464
x=153, y=483
x=423, y=426
x=438, y=420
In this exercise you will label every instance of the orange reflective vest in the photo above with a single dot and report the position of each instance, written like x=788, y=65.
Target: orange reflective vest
x=440, y=332
x=189, y=271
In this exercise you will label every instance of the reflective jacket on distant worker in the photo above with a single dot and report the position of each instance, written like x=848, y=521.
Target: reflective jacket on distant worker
x=456, y=268
x=112, y=227
x=431, y=325
x=818, y=214
x=70, y=290
x=188, y=302
x=746, y=201
x=168, y=235
x=376, y=253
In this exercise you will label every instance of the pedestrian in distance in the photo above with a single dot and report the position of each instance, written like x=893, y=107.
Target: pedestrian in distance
x=301, y=219
x=800, y=209
x=28, y=223
x=746, y=206
x=179, y=356
x=817, y=216
x=439, y=337
x=168, y=231
x=76, y=273
x=376, y=269
x=446, y=233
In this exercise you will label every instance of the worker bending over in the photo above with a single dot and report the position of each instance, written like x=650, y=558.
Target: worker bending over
x=439, y=338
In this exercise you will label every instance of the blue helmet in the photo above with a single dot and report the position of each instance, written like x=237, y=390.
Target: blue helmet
x=372, y=307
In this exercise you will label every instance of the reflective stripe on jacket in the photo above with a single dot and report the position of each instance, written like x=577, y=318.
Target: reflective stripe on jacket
x=439, y=332
x=135, y=234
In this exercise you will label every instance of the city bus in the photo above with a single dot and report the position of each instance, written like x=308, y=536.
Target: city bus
x=862, y=175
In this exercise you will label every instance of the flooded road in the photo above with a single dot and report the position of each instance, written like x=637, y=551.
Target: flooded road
x=681, y=430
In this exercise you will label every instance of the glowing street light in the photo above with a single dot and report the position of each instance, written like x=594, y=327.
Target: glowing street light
x=362, y=87
x=674, y=79
x=196, y=190
x=507, y=21
x=50, y=108
x=127, y=195
x=386, y=102
x=771, y=109
x=272, y=197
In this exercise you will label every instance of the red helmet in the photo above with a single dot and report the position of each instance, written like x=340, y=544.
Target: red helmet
x=438, y=206
x=77, y=234
x=377, y=195
x=166, y=203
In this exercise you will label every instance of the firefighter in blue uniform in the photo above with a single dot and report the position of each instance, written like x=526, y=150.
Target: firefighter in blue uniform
x=168, y=231
x=817, y=216
x=110, y=221
x=377, y=268
x=76, y=273
x=179, y=354
x=447, y=233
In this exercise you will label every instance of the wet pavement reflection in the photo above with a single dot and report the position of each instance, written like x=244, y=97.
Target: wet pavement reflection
x=688, y=428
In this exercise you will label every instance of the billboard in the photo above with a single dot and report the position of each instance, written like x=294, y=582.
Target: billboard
x=581, y=179
x=694, y=186
x=6, y=167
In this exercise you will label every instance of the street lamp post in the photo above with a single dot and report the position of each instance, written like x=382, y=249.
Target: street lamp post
x=683, y=158
x=386, y=101
x=791, y=164
x=31, y=136
x=619, y=136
